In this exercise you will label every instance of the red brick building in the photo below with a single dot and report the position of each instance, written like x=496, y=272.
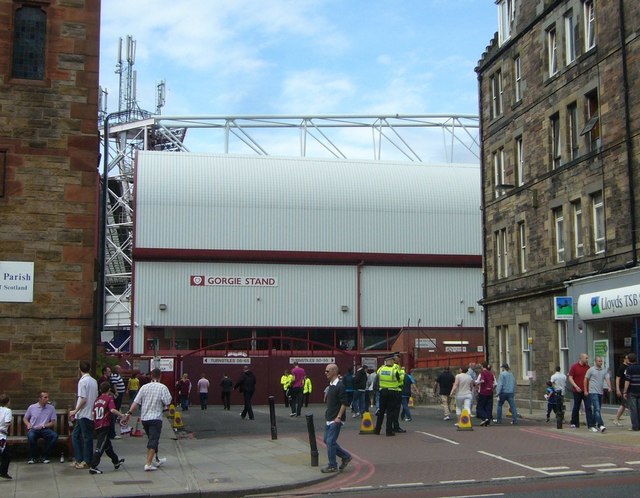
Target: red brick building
x=49, y=152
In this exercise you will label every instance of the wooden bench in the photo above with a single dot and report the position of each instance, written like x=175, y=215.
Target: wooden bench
x=17, y=437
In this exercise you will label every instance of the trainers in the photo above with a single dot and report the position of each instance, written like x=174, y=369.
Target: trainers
x=45, y=460
x=329, y=470
x=496, y=421
x=602, y=428
x=81, y=465
x=31, y=461
x=149, y=468
x=355, y=415
x=117, y=437
x=95, y=470
x=345, y=462
x=447, y=417
x=593, y=429
x=6, y=476
x=292, y=414
x=574, y=426
x=117, y=465
x=160, y=461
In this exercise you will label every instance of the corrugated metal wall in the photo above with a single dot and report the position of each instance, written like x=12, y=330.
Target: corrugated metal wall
x=297, y=204
x=306, y=296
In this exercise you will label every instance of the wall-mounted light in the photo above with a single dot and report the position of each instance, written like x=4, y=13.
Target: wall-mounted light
x=344, y=308
x=471, y=309
x=162, y=307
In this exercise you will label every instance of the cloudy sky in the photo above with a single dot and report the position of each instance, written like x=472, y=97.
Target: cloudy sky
x=232, y=57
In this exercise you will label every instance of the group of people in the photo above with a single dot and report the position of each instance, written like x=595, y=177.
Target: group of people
x=297, y=388
x=470, y=387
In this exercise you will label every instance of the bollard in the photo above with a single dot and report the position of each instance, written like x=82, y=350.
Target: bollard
x=312, y=440
x=272, y=415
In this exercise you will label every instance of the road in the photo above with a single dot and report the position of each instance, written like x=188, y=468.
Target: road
x=435, y=459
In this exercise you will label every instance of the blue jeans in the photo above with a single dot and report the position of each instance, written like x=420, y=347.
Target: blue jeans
x=331, y=433
x=596, y=402
x=509, y=398
x=82, y=439
x=50, y=437
x=578, y=399
x=358, y=401
x=406, y=413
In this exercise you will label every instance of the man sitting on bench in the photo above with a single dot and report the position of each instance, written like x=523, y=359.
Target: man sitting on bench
x=40, y=420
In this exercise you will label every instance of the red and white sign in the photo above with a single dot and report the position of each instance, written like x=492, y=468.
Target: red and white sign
x=231, y=281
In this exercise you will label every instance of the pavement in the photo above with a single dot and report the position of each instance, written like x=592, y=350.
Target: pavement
x=223, y=456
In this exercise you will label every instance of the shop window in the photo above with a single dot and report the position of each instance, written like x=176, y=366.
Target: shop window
x=29, y=39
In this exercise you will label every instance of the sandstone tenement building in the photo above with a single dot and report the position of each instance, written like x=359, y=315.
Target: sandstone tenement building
x=49, y=152
x=560, y=109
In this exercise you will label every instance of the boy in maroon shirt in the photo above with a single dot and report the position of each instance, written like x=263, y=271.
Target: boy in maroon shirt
x=103, y=409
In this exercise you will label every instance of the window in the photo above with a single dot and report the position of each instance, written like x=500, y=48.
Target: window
x=556, y=142
x=592, y=129
x=506, y=18
x=503, y=343
x=552, y=47
x=563, y=342
x=517, y=74
x=29, y=39
x=522, y=243
x=589, y=25
x=519, y=153
x=499, y=172
x=559, y=234
x=502, y=256
x=578, y=239
x=526, y=349
x=569, y=38
x=496, y=94
x=572, y=116
x=598, y=223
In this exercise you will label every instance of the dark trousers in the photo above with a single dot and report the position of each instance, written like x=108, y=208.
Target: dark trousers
x=296, y=400
x=389, y=405
x=5, y=458
x=578, y=399
x=226, y=400
x=484, y=408
x=306, y=399
x=248, y=410
x=103, y=445
x=286, y=397
x=204, y=397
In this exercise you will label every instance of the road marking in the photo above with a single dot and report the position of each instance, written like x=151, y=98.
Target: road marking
x=514, y=462
x=554, y=468
x=357, y=488
x=507, y=478
x=596, y=465
x=438, y=437
x=459, y=481
x=405, y=485
x=474, y=496
x=635, y=462
x=617, y=469
x=568, y=473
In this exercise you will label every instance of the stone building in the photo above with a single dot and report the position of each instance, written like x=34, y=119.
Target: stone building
x=559, y=104
x=49, y=152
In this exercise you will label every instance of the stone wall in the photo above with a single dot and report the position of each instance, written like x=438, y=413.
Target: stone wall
x=49, y=135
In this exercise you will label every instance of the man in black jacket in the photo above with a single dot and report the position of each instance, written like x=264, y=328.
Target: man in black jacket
x=247, y=386
x=337, y=403
x=359, y=389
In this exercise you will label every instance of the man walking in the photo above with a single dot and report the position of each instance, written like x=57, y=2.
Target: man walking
x=337, y=403
x=631, y=391
x=594, y=382
x=153, y=398
x=82, y=436
x=203, y=390
x=247, y=386
x=104, y=410
x=442, y=387
x=296, y=389
x=40, y=420
x=506, y=391
x=576, y=376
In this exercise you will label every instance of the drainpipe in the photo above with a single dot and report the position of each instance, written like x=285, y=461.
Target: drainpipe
x=627, y=133
x=484, y=227
x=360, y=339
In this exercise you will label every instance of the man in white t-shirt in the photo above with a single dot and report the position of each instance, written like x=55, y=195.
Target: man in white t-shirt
x=82, y=436
x=559, y=381
x=203, y=390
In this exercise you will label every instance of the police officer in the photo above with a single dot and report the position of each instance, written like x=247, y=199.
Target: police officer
x=396, y=420
x=390, y=380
